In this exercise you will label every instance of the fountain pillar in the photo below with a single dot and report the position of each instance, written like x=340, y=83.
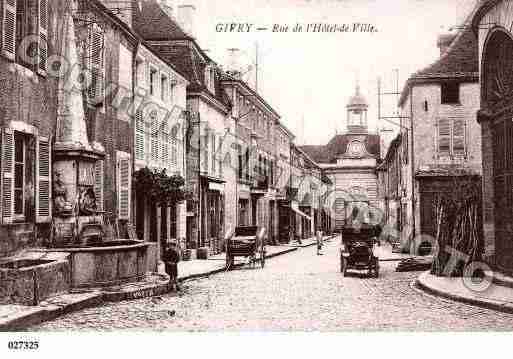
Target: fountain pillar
x=75, y=208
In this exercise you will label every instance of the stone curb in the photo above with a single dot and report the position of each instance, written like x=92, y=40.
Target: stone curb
x=53, y=311
x=504, y=307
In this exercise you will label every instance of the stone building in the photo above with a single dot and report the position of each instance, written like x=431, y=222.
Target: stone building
x=440, y=137
x=350, y=160
x=28, y=102
x=492, y=25
x=255, y=126
x=159, y=142
x=390, y=186
x=284, y=140
x=169, y=30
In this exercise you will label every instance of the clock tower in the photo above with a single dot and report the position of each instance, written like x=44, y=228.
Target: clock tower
x=357, y=113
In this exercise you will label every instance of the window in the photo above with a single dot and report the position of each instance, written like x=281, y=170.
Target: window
x=164, y=86
x=247, y=165
x=243, y=212
x=139, y=73
x=450, y=93
x=19, y=174
x=451, y=137
x=241, y=160
x=214, y=162
x=21, y=19
x=153, y=81
x=95, y=62
x=172, y=89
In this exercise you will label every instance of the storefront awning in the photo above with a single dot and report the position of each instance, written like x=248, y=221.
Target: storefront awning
x=216, y=186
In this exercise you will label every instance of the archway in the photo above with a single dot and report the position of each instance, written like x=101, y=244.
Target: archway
x=497, y=101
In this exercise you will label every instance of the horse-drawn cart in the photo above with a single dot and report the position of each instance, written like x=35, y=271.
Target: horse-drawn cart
x=247, y=242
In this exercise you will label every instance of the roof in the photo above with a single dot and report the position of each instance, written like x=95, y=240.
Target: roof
x=152, y=22
x=357, y=99
x=392, y=149
x=459, y=62
x=338, y=146
x=225, y=77
x=165, y=36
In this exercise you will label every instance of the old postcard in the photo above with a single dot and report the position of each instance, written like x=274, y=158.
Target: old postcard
x=243, y=165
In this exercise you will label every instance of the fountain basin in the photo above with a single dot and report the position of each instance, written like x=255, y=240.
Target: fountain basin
x=108, y=263
x=33, y=277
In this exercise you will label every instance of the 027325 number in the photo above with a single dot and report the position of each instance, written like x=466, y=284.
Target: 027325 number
x=23, y=345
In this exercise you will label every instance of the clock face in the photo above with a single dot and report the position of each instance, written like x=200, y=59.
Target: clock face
x=356, y=148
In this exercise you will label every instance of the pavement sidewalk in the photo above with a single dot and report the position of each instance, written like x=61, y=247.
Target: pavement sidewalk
x=496, y=297
x=18, y=317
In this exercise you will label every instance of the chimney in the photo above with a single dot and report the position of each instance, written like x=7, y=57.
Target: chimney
x=233, y=66
x=185, y=17
x=167, y=6
x=445, y=41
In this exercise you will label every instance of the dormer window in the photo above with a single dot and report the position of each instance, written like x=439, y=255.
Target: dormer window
x=164, y=85
x=210, y=79
x=153, y=81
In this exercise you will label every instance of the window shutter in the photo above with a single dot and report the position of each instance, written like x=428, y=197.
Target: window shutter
x=139, y=136
x=174, y=154
x=458, y=137
x=9, y=29
x=444, y=136
x=7, y=175
x=98, y=184
x=165, y=148
x=124, y=185
x=43, y=181
x=96, y=64
x=154, y=138
x=43, y=37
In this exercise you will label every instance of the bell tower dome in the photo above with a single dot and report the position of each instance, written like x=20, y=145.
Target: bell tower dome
x=357, y=108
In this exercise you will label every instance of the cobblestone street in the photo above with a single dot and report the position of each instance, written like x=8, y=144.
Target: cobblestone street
x=297, y=291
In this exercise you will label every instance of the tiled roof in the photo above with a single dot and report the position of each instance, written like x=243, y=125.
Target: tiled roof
x=459, y=62
x=338, y=146
x=176, y=47
x=152, y=22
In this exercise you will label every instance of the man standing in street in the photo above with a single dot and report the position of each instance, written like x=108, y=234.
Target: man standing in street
x=171, y=258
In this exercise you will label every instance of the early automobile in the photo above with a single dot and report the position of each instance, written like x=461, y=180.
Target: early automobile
x=357, y=252
x=247, y=242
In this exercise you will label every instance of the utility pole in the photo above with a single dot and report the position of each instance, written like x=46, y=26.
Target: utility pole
x=256, y=66
x=402, y=128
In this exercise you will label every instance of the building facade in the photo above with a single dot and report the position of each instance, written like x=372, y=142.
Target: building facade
x=492, y=25
x=350, y=161
x=159, y=139
x=169, y=31
x=27, y=121
x=440, y=143
x=255, y=126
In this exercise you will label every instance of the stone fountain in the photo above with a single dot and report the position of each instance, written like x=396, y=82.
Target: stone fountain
x=78, y=224
x=77, y=220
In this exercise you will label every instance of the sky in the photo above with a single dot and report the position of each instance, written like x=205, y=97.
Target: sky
x=309, y=77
